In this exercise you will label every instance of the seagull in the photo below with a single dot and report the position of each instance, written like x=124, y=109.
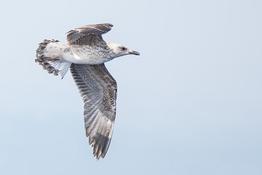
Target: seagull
x=85, y=54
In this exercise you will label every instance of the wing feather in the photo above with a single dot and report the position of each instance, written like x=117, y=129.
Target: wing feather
x=98, y=90
x=88, y=34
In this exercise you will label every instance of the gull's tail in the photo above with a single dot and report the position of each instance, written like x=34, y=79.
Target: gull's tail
x=50, y=55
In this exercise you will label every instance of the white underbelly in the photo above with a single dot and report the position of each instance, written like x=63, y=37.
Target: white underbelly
x=84, y=58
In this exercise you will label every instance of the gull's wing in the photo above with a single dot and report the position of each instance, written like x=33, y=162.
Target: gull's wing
x=98, y=90
x=88, y=34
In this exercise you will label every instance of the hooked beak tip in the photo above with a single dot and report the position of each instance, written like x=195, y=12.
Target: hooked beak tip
x=134, y=52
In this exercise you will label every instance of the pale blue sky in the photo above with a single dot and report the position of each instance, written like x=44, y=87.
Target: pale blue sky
x=191, y=104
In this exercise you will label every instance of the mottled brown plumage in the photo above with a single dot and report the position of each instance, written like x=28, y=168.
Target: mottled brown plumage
x=89, y=35
x=98, y=90
x=85, y=53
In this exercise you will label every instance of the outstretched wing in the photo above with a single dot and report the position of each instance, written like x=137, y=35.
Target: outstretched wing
x=98, y=90
x=88, y=34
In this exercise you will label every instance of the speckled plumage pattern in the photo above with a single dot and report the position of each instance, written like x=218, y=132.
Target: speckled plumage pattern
x=89, y=35
x=86, y=52
x=98, y=90
x=44, y=60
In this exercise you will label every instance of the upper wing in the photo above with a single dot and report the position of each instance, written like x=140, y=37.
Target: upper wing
x=88, y=34
x=98, y=89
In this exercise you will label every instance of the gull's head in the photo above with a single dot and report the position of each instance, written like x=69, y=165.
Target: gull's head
x=120, y=50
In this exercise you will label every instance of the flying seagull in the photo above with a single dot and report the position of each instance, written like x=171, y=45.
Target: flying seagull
x=85, y=54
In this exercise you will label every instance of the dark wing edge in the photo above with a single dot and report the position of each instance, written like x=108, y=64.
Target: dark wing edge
x=88, y=34
x=98, y=90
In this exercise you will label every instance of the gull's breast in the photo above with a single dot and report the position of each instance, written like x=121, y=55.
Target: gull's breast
x=85, y=55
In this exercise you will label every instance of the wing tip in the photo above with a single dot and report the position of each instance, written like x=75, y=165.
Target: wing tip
x=100, y=145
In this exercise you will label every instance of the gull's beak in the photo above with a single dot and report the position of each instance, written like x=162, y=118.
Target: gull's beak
x=134, y=52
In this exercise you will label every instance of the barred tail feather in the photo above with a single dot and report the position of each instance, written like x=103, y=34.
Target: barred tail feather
x=49, y=56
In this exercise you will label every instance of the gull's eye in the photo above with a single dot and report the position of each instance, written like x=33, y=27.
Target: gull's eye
x=123, y=48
